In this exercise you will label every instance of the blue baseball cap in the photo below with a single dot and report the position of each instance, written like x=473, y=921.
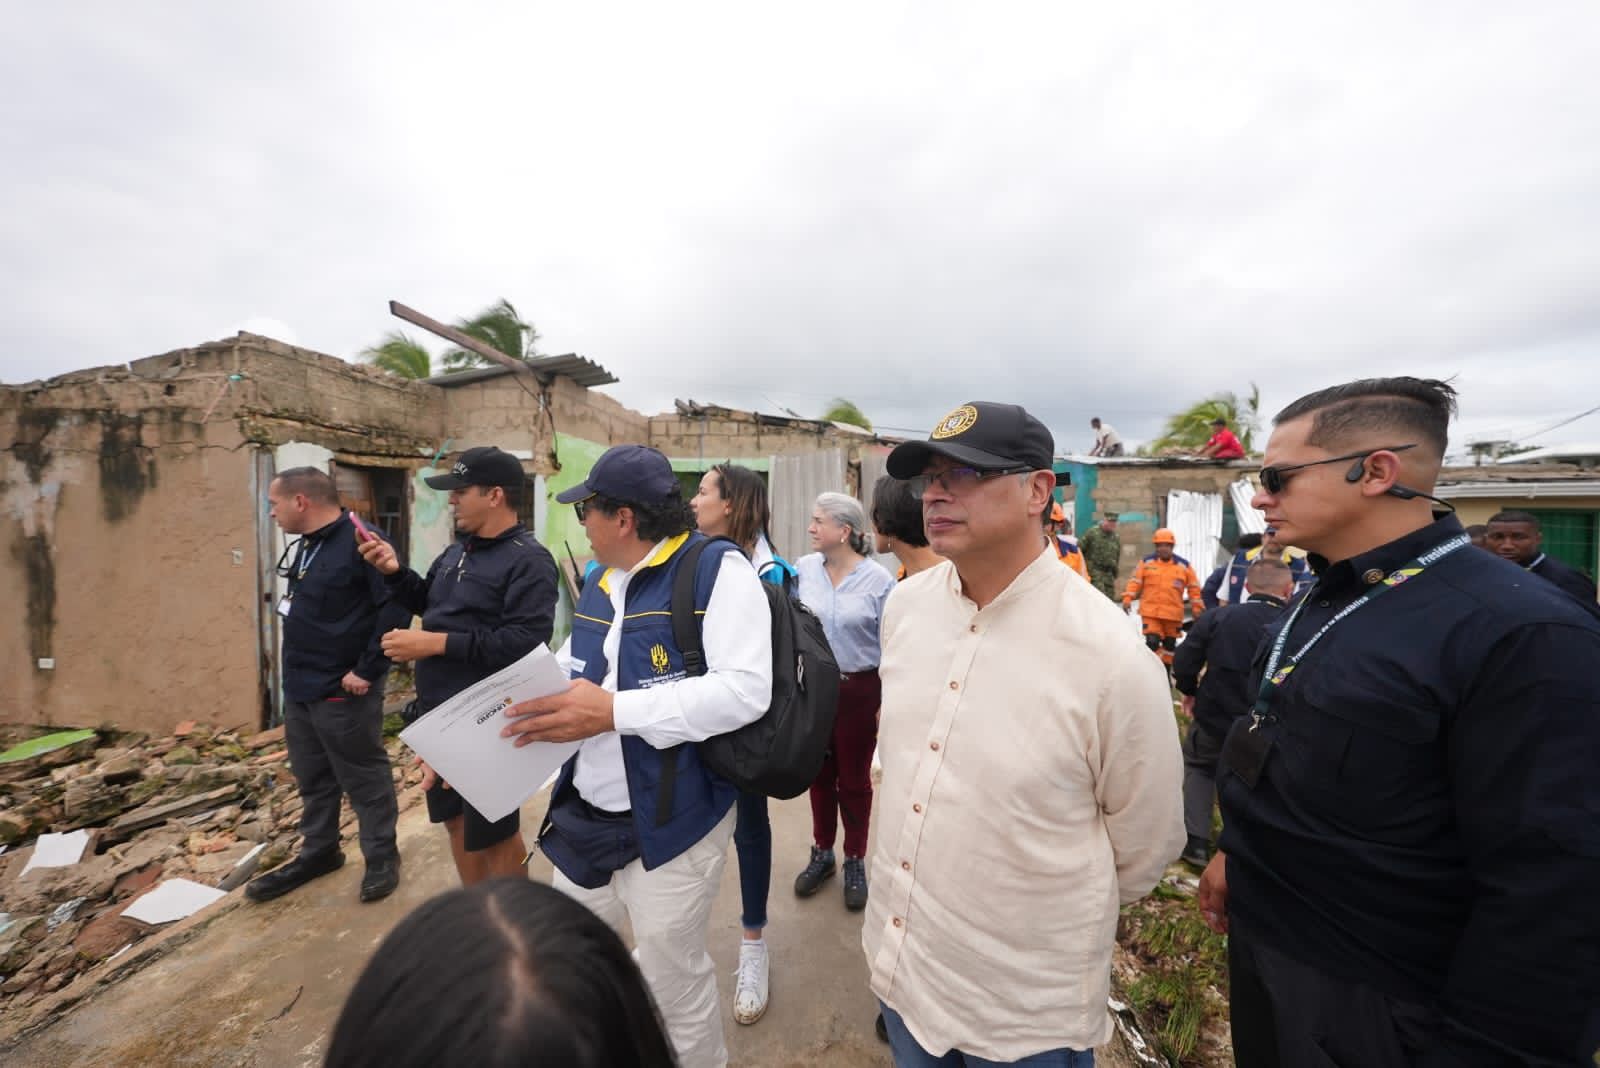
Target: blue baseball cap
x=633, y=473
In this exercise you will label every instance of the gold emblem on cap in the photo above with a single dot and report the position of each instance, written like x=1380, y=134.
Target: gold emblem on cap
x=957, y=422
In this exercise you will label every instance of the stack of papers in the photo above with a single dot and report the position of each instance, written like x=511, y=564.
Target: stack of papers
x=461, y=738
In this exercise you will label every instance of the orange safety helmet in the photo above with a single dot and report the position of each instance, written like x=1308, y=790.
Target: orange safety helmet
x=1164, y=535
x=1056, y=514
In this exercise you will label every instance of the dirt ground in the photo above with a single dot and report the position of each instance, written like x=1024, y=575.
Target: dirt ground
x=261, y=985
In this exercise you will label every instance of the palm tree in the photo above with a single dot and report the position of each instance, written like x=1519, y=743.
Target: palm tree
x=498, y=326
x=843, y=411
x=400, y=354
x=1189, y=429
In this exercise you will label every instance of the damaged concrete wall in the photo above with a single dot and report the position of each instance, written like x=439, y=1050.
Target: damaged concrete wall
x=1138, y=493
x=118, y=508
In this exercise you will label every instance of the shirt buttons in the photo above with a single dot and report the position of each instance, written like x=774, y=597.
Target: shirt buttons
x=934, y=746
x=1324, y=604
x=897, y=922
x=973, y=628
x=916, y=808
x=905, y=865
x=954, y=685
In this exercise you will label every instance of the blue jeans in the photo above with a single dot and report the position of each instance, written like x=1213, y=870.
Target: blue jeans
x=752, y=841
x=907, y=1054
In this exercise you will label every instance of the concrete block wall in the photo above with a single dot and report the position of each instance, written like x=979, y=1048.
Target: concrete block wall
x=1138, y=493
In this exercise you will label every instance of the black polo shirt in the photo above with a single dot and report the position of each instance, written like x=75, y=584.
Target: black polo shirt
x=1222, y=644
x=1427, y=821
x=494, y=598
x=339, y=609
x=1567, y=578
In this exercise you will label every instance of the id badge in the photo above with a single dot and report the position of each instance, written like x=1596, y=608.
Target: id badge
x=283, y=606
x=1245, y=752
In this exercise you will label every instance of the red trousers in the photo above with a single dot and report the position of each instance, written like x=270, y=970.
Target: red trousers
x=844, y=785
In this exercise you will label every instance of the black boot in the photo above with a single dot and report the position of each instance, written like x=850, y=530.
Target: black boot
x=817, y=872
x=381, y=879
x=1197, y=852
x=296, y=873
x=855, y=883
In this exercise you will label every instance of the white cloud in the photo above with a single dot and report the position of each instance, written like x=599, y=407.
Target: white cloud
x=1093, y=210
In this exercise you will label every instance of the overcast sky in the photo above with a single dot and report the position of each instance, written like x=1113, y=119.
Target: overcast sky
x=1090, y=209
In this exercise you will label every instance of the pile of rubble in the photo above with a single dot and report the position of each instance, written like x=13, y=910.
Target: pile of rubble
x=211, y=808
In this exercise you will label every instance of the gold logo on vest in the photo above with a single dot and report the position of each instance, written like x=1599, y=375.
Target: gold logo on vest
x=658, y=658
x=956, y=423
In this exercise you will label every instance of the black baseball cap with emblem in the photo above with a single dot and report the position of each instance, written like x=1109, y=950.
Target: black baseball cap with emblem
x=983, y=435
x=483, y=466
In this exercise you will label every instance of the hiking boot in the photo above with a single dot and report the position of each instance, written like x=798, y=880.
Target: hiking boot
x=296, y=873
x=380, y=880
x=855, y=884
x=817, y=872
x=1197, y=853
x=750, y=982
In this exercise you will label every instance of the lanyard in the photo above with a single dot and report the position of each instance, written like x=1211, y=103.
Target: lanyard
x=303, y=563
x=1535, y=562
x=1273, y=678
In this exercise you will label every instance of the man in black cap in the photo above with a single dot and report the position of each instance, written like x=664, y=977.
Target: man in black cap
x=1008, y=792
x=487, y=601
x=638, y=827
x=334, y=615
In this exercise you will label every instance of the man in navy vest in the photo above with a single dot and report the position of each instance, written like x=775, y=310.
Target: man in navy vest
x=638, y=827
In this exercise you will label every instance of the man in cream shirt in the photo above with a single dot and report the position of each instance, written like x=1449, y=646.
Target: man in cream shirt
x=1031, y=768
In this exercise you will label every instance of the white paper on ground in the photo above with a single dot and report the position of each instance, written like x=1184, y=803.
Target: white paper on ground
x=461, y=738
x=57, y=850
x=172, y=900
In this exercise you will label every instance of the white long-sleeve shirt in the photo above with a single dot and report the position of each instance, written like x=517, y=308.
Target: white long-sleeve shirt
x=1031, y=785
x=736, y=688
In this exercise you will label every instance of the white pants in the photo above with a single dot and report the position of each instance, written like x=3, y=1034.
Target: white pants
x=670, y=911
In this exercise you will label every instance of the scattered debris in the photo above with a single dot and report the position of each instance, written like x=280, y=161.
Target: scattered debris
x=114, y=819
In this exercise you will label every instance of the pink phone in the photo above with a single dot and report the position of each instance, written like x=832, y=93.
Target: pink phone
x=361, y=528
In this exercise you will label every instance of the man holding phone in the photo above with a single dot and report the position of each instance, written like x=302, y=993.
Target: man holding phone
x=334, y=616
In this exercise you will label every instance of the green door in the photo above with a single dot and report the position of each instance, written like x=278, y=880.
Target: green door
x=1569, y=536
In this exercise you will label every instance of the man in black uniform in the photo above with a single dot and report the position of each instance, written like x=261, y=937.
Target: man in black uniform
x=1411, y=814
x=1222, y=644
x=334, y=616
x=1517, y=536
x=486, y=602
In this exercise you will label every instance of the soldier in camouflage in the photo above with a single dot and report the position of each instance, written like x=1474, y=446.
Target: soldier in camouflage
x=1102, y=550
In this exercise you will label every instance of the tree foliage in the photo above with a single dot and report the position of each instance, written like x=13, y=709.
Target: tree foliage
x=843, y=411
x=498, y=326
x=1188, y=430
x=400, y=354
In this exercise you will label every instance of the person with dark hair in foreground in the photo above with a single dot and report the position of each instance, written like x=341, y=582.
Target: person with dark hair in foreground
x=505, y=974
x=1410, y=846
x=487, y=601
x=1517, y=536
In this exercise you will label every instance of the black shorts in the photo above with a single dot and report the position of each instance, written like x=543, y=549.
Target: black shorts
x=476, y=832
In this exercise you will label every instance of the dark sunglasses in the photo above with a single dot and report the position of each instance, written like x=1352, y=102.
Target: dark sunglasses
x=582, y=507
x=1273, y=478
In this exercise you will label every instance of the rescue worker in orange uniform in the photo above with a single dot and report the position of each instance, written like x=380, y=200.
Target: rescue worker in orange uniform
x=1159, y=583
x=1065, y=545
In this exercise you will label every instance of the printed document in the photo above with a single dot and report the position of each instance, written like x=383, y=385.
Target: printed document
x=460, y=740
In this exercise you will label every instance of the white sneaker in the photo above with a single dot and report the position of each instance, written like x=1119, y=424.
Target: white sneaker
x=750, y=986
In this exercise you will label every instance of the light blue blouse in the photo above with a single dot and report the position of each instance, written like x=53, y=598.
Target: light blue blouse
x=852, y=613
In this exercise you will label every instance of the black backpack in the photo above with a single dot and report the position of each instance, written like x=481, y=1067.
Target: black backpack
x=781, y=753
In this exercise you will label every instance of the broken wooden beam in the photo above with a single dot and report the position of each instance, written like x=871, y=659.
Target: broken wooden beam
x=152, y=814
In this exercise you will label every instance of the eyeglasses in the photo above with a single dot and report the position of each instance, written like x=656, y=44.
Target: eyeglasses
x=958, y=479
x=1273, y=478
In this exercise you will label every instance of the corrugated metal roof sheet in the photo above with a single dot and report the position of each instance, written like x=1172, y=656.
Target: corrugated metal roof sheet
x=583, y=371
